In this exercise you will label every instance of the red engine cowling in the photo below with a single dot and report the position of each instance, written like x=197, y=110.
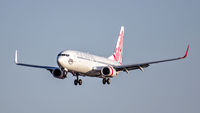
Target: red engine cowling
x=108, y=71
x=57, y=73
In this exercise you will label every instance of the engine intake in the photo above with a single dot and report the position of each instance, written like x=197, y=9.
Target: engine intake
x=108, y=71
x=57, y=73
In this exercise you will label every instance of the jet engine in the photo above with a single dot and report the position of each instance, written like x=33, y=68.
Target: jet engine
x=108, y=71
x=57, y=73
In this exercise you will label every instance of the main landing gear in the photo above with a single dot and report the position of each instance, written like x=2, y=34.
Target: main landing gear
x=77, y=81
x=106, y=80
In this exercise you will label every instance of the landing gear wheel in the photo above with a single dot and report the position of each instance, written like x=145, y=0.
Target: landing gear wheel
x=108, y=81
x=75, y=82
x=80, y=82
x=104, y=81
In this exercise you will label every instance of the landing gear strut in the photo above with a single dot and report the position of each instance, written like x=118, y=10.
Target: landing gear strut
x=65, y=73
x=77, y=81
x=106, y=80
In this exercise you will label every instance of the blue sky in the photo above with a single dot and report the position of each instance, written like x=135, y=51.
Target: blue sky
x=154, y=30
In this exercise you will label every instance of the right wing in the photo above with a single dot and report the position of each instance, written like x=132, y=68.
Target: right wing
x=144, y=65
x=35, y=66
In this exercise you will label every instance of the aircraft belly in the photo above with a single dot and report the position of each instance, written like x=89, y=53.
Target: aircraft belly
x=82, y=66
x=86, y=67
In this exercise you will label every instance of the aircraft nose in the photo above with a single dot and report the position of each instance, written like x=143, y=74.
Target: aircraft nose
x=59, y=60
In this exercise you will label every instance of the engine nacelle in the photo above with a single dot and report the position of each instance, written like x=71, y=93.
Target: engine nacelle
x=108, y=71
x=57, y=73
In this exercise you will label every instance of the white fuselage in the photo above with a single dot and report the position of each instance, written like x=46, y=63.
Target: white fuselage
x=83, y=63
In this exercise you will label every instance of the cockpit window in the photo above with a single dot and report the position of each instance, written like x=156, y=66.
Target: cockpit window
x=63, y=55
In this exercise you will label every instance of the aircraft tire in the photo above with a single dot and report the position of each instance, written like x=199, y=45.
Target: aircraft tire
x=80, y=82
x=104, y=81
x=108, y=81
x=75, y=82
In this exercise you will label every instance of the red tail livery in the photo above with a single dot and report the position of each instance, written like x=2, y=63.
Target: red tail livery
x=117, y=55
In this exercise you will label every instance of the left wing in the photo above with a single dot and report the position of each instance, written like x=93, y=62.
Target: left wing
x=35, y=66
x=144, y=65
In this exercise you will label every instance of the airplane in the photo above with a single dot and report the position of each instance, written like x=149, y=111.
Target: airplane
x=84, y=64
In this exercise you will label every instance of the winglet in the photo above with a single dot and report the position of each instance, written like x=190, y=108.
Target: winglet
x=186, y=52
x=16, y=62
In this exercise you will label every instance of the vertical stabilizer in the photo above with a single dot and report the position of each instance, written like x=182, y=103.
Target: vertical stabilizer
x=117, y=55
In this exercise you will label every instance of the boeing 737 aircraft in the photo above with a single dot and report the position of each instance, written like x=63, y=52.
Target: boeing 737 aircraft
x=84, y=64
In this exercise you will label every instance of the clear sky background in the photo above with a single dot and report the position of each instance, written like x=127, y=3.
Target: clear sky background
x=154, y=30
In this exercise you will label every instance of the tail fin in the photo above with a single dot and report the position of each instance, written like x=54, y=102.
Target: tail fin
x=117, y=55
